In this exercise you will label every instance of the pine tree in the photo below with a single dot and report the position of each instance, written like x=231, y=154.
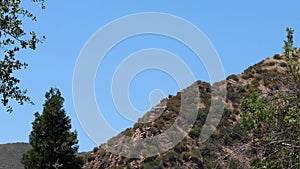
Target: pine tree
x=53, y=144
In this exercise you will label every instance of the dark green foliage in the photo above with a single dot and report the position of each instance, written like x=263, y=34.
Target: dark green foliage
x=233, y=77
x=271, y=63
x=241, y=89
x=283, y=64
x=51, y=139
x=255, y=83
x=151, y=165
x=247, y=75
x=13, y=38
x=278, y=57
x=259, y=71
x=95, y=149
x=174, y=103
x=258, y=78
x=289, y=42
x=274, y=122
x=232, y=95
x=254, y=112
x=195, y=132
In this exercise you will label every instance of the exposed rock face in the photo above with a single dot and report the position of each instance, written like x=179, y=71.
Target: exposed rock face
x=267, y=77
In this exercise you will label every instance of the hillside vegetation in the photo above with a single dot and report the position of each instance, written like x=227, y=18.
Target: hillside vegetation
x=230, y=146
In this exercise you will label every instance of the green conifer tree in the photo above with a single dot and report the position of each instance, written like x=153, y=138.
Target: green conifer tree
x=53, y=144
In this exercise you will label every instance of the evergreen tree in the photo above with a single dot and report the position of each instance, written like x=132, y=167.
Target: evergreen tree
x=53, y=144
x=289, y=42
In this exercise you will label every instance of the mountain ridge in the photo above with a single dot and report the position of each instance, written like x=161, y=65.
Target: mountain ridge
x=267, y=76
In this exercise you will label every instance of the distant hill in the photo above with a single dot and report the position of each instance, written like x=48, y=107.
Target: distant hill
x=267, y=76
x=11, y=154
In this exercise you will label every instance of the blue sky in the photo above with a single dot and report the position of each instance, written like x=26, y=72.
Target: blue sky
x=243, y=34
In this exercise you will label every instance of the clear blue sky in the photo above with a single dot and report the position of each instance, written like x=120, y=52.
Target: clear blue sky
x=243, y=33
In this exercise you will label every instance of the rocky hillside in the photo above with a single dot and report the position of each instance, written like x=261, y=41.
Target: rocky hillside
x=222, y=149
x=11, y=154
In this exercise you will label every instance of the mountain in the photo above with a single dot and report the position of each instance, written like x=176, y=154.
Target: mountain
x=222, y=149
x=11, y=154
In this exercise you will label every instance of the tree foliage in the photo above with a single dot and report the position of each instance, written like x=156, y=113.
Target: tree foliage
x=53, y=144
x=13, y=38
x=273, y=123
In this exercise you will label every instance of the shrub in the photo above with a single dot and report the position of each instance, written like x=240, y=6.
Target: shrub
x=283, y=64
x=277, y=57
x=233, y=77
x=194, y=132
x=258, y=78
x=271, y=63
